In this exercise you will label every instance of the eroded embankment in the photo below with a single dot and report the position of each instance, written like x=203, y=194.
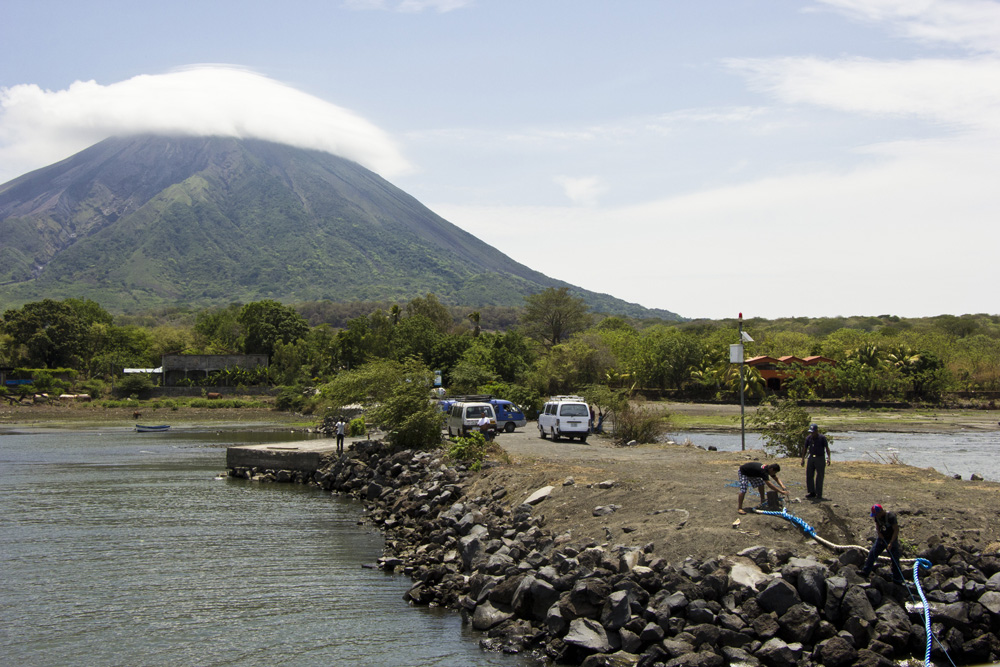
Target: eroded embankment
x=582, y=602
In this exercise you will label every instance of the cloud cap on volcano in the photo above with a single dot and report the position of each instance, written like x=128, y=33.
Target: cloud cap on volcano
x=38, y=127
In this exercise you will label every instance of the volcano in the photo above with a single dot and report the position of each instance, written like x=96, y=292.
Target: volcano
x=146, y=221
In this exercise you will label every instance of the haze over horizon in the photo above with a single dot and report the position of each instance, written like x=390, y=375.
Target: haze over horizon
x=837, y=158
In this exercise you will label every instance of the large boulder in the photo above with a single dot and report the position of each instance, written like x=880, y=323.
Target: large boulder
x=778, y=597
x=799, y=623
x=588, y=635
x=533, y=598
x=778, y=653
x=487, y=616
x=836, y=652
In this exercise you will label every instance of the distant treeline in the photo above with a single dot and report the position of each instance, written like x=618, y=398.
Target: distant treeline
x=550, y=345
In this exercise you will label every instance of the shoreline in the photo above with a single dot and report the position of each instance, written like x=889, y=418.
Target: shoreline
x=540, y=577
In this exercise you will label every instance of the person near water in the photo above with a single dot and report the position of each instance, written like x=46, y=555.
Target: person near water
x=886, y=537
x=758, y=475
x=340, y=428
x=815, y=448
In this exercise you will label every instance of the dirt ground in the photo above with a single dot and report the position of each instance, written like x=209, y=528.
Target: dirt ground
x=680, y=498
x=683, y=499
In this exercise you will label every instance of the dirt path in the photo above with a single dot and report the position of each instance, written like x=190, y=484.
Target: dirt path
x=683, y=499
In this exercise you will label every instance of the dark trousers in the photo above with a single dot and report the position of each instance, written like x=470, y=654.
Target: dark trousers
x=815, y=467
x=340, y=442
x=877, y=549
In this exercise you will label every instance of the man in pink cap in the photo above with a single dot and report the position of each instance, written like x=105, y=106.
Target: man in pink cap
x=886, y=536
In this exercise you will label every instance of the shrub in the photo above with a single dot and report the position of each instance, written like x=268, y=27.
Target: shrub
x=290, y=399
x=473, y=450
x=783, y=425
x=640, y=423
x=93, y=388
x=357, y=427
x=409, y=418
x=470, y=449
x=137, y=385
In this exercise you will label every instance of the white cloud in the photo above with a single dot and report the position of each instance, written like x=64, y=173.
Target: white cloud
x=970, y=24
x=955, y=92
x=584, y=190
x=38, y=127
x=912, y=234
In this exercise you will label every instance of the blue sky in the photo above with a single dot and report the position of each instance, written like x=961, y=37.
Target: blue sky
x=771, y=157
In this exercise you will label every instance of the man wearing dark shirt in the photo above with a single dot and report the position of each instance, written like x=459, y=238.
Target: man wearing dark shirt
x=757, y=475
x=886, y=535
x=815, y=448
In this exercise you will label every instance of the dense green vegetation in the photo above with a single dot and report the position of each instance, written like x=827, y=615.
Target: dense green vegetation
x=387, y=356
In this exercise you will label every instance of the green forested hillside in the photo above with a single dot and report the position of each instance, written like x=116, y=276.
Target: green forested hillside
x=140, y=222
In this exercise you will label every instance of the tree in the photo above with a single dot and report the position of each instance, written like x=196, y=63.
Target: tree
x=49, y=333
x=218, y=329
x=432, y=309
x=553, y=314
x=405, y=413
x=415, y=337
x=267, y=322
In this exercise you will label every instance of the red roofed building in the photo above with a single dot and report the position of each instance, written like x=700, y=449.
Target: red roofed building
x=773, y=371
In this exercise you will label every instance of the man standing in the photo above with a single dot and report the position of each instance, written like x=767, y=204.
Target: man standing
x=340, y=428
x=485, y=425
x=886, y=535
x=757, y=475
x=815, y=448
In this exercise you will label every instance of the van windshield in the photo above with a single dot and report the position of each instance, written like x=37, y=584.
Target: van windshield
x=574, y=410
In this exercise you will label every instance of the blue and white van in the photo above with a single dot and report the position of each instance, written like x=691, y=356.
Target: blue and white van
x=508, y=415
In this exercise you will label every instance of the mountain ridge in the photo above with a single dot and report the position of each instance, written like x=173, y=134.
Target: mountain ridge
x=145, y=221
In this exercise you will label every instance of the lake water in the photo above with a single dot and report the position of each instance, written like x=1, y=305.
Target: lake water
x=960, y=453
x=119, y=548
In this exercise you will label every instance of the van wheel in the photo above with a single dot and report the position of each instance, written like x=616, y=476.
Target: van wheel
x=541, y=432
x=509, y=427
x=583, y=439
x=450, y=434
x=555, y=436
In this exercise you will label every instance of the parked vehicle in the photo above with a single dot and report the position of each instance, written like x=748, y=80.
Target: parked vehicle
x=565, y=416
x=464, y=417
x=508, y=415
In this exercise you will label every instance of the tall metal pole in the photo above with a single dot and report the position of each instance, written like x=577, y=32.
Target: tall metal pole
x=743, y=432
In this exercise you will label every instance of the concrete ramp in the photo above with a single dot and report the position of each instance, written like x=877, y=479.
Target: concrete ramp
x=305, y=456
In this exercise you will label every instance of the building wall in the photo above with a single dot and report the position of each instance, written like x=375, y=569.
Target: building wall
x=198, y=366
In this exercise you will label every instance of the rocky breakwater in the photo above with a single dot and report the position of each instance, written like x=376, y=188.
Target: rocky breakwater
x=584, y=602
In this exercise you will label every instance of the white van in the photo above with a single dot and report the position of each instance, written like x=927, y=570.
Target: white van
x=565, y=416
x=464, y=417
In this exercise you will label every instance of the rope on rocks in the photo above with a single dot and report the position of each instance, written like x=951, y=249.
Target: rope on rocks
x=920, y=562
x=926, y=564
x=811, y=532
x=917, y=564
